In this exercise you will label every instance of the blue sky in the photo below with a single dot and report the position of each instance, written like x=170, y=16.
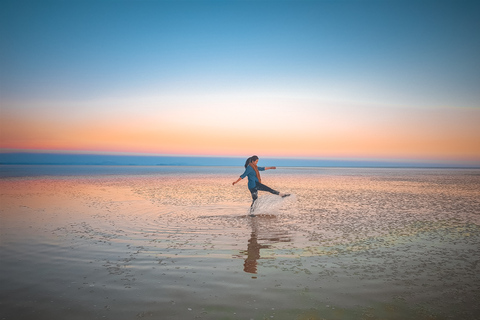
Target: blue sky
x=356, y=48
x=374, y=57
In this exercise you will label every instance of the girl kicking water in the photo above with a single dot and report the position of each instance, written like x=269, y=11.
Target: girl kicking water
x=254, y=180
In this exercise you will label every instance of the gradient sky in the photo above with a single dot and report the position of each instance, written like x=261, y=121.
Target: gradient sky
x=347, y=79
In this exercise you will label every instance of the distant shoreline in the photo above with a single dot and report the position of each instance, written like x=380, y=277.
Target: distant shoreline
x=239, y=166
x=58, y=159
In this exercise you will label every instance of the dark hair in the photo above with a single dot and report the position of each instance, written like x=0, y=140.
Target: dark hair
x=250, y=160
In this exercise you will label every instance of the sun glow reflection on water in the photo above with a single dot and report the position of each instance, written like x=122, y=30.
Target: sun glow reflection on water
x=178, y=243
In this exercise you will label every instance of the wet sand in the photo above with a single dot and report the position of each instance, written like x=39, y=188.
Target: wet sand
x=348, y=244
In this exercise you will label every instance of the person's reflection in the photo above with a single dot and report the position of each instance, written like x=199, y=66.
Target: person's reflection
x=269, y=232
x=253, y=249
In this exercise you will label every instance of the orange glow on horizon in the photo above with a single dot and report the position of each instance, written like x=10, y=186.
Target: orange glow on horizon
x=427, y=136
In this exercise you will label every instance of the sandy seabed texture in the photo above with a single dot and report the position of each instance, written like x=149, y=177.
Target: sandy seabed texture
x=178, y=243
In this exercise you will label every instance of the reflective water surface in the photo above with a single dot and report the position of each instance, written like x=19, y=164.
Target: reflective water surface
x=178, y=243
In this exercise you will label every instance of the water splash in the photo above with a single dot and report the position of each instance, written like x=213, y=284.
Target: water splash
x=272, y=204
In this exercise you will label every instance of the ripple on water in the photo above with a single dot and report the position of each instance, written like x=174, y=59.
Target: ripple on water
x=360, y=245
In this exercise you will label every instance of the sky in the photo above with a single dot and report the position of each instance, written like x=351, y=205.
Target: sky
x=307, y=79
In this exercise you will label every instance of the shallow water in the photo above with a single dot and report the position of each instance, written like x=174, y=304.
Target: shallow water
x=178, y=243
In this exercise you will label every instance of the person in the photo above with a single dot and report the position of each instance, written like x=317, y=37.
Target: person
x=252, y=172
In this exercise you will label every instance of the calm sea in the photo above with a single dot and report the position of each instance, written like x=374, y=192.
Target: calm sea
x=167, y=242
x=9, y=171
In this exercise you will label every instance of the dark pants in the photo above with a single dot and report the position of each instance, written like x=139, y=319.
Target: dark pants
x=260, y=187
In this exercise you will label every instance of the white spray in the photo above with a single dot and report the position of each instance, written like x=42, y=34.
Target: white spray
x=272, y=204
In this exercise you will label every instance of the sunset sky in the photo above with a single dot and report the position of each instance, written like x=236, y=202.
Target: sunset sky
x=321, y=79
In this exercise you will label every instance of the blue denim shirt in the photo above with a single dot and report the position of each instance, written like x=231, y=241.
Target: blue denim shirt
x=252, y=176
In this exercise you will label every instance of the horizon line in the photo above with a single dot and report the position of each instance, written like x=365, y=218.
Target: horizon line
x=38, y=157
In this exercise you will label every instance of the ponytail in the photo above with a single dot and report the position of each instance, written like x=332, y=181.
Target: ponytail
x=250, y=160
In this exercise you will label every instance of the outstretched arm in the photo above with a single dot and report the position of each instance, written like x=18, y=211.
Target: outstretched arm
x=237, y=181
x=268, y=168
